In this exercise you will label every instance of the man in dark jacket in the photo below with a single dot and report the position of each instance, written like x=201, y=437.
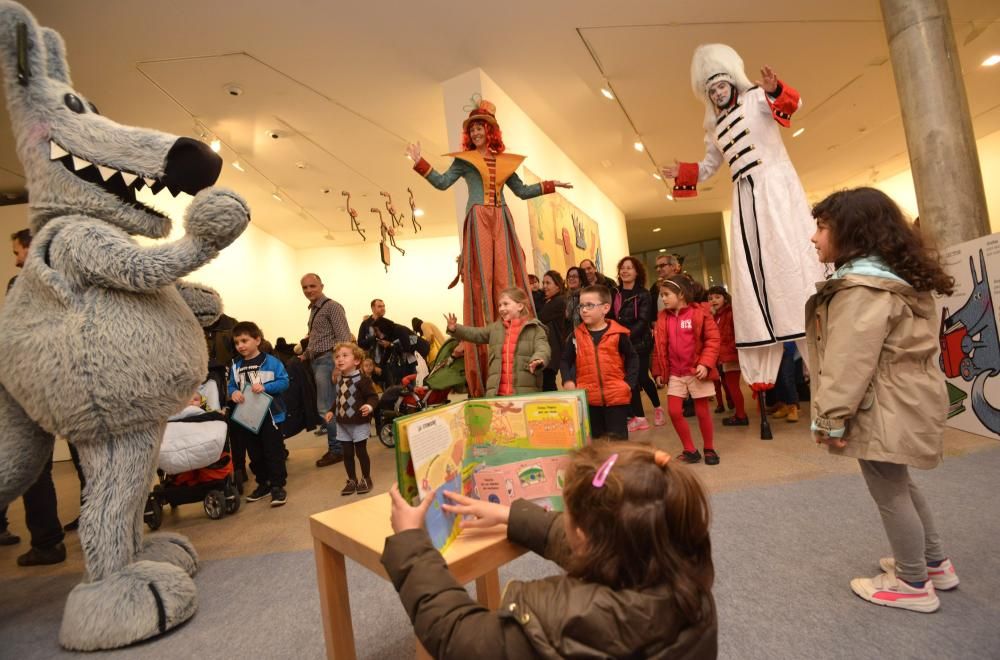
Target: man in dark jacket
x=595, y=276
x=368, y=340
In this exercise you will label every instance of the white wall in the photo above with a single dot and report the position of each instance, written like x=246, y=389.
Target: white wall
x=522, y=136
x=416, y=284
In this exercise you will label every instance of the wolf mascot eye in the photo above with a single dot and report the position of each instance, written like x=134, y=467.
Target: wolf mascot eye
x=99, y=345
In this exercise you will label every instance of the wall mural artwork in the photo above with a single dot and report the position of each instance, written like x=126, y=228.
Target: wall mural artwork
x=970, y=345
x=561, y=234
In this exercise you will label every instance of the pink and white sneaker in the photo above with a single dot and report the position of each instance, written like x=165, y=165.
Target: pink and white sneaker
x=886, y=589
x=943, y=576
x=659, y=417
x=638, y=424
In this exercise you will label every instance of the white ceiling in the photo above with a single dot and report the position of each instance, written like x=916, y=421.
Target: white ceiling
x=346, y=85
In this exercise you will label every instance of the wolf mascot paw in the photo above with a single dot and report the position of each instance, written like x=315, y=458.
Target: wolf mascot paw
x=100, y=346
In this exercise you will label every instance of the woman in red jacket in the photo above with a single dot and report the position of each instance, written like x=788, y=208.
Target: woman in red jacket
x=686, y=351
x=729, y=361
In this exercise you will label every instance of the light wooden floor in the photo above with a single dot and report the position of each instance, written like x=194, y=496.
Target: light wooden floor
x=259, y=529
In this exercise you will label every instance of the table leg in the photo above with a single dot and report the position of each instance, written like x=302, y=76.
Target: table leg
x=335, y=606
x=488, y=589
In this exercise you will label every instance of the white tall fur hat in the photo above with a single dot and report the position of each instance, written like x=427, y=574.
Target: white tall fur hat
x=712, y=62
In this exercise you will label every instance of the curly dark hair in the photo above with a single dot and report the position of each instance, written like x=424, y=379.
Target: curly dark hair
x=865, y=221
x=494, y=137
x=640, y=271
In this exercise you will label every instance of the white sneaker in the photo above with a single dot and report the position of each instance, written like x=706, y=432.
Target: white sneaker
x=886, y=589
x=943, y=576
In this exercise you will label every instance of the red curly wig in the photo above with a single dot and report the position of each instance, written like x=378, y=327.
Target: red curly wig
x=494, y=137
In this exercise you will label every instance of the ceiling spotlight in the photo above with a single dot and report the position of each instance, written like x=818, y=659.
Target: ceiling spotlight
x=216, y=145
x=638, y=146
x=657, y=176
x=607, y=93
x=277, y=196
x=234, y=90
x=663, y=249
x=657, y=228
x=991, y=60
x=300, y=165
x=419, y=213
x=238, y=166
x=670, y=197
x=798, y=132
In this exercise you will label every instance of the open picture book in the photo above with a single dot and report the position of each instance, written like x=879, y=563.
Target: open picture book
x=497, y=449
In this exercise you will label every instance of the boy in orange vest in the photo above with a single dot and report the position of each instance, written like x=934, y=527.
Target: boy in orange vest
x=599, y=358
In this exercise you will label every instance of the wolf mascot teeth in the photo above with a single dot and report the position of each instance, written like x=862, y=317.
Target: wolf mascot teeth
x=99, y=345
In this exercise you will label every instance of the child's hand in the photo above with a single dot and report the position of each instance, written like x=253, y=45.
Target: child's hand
x=452, y=322
x=238, y=397
x=569, y=385
x=483, y=514
x=534, y=364
x=823, y=438
x=659, y=382
x=701, y=372
x=256, y=388
x=366, y=410
x=403, y=515
x=328, y=417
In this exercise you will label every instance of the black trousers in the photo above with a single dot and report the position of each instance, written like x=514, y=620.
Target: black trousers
x=266, y=450
x=610, y=421
x=644, y=383
x=41, y=513
x=549, y=380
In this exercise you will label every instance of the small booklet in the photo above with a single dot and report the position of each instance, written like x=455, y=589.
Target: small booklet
x=251, y=413
x=496, y=449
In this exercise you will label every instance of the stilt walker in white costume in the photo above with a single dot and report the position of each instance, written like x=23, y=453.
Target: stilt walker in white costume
x=774, y=266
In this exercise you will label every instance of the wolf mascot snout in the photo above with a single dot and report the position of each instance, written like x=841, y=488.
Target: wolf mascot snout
x=99, y=345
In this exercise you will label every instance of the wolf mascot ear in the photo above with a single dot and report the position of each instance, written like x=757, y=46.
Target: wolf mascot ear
x=99, y=345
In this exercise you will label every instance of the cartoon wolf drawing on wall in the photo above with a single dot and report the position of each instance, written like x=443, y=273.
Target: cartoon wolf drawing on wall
x=98, y=344
x=970, y=346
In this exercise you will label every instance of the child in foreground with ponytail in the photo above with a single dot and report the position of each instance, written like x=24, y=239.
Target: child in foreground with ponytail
x=634, y=542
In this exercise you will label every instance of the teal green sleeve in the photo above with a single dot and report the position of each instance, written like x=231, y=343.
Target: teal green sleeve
x=450, y=176
x=523, y=191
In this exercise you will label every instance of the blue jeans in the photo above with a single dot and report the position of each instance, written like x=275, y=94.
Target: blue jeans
x=322, y=366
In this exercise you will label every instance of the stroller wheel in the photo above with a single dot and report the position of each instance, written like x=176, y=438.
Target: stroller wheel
x=215, y=504
x=232, y=499
x=153, y=515
x=386, y=437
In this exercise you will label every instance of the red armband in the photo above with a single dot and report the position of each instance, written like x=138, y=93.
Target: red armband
x=422, y=167
x=548, y=187
x=784, y=105
x=686, y=183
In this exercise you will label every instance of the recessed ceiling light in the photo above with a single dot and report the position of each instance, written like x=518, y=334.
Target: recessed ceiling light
x=216, y=145
x=657, y=176
x=277, y=196
x=670, y=197
x=418, y=212
x=238, y=166
x=663, y=249
x=991, y=60
x=657, y=228
x=798, y=132
x=607, y=93
x=638, y=146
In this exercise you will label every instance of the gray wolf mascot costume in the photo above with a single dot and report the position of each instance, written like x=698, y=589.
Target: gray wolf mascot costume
x=100, y=347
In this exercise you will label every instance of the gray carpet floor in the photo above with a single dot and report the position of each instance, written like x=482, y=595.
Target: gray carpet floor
x=784, y=556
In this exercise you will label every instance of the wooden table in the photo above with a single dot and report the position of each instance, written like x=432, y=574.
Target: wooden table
x=359, y=531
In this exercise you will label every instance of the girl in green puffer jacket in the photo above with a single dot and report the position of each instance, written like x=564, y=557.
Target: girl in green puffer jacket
x=519, y=345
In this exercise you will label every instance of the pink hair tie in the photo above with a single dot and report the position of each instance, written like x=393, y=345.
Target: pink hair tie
x=602, y=473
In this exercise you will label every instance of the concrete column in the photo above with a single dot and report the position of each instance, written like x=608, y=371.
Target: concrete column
x=939, y=137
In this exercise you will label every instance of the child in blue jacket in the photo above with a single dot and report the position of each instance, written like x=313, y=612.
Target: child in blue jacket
x=260, y=372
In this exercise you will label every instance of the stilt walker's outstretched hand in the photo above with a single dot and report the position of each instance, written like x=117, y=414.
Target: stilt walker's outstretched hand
x=769, y=79
x=413, y=152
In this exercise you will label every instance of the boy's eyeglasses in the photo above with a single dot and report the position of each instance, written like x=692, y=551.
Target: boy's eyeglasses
x=590, y=306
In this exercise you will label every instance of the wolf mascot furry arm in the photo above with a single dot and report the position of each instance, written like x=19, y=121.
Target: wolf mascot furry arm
x=101, y=347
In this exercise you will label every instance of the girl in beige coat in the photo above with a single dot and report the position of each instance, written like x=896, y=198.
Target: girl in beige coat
x=879, y=397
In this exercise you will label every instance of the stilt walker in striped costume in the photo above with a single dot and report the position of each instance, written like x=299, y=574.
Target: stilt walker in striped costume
x=773, y=264
x=492, y=259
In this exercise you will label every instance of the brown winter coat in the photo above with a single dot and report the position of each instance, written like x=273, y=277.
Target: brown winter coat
x=532, y=344
x=556, y=617
x=873, y=347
